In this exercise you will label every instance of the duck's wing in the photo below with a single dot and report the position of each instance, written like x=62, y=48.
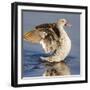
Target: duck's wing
x=32, y=36
x=36, y=33
x=49, y=26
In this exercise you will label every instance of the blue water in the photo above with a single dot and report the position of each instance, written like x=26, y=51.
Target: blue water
x=33, y=66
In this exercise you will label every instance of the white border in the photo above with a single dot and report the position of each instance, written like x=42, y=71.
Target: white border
x=82, y=48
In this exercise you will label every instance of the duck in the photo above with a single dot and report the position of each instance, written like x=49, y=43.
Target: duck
x=40, y=32
x=64, y=47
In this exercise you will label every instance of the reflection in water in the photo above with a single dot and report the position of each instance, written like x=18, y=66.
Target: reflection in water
x=56, y=69
x=32, y=65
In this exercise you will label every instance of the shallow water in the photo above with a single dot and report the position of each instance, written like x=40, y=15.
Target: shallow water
x=32, y=64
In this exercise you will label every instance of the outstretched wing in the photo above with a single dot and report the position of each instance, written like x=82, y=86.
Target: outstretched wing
x=36, y=34
x=49, y=26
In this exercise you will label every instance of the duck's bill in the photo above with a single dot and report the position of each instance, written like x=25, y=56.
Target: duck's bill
x=68, y=25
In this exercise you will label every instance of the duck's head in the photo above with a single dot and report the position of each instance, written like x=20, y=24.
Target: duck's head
x=63, y=23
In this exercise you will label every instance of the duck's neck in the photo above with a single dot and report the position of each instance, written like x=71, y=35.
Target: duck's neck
x=61, y=29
